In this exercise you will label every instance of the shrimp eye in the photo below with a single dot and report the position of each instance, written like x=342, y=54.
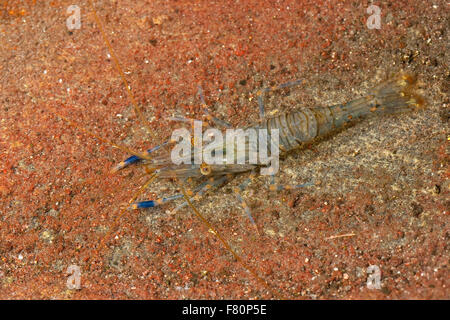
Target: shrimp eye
x=205, y=169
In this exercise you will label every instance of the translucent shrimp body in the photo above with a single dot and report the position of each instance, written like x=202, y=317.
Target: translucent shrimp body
x=303, y=126
x=294, y=130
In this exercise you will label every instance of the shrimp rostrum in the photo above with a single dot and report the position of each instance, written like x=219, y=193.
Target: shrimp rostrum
x=285, y=133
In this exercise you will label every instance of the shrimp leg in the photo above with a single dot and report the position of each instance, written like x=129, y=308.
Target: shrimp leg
x=279, y=187
x=134, y=159
x=261, y=93
x=208, y=114
x=162, y=200
x=213, y=182
x=241, y=200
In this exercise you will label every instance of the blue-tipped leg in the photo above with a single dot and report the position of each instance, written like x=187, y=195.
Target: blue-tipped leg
x=154, y=203
x=198, y=191
x=135, y=159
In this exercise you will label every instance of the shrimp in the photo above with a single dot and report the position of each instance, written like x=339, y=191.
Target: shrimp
x=296, y=129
